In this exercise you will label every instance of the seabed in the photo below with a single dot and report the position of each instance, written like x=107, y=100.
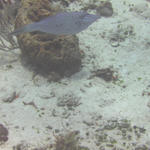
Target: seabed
x=107, y=102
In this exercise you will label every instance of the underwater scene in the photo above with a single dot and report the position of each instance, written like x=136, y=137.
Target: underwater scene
x=74, y=75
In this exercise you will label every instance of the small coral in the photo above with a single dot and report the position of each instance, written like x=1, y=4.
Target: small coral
x=69, y=100
x=67, y=142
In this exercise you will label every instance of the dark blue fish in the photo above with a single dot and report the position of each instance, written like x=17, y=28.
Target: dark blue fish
x=65, y=23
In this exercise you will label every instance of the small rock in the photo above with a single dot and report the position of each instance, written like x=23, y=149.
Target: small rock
x=105, y=9
x=124, y=124
x=110, y=126
x=141, y=147
x=106, y=74
x=114, y=42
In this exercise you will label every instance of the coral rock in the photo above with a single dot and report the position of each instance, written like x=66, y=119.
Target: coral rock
x=48, y=52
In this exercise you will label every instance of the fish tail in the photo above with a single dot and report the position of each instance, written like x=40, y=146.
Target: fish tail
x=24, y=29
x=18, y=31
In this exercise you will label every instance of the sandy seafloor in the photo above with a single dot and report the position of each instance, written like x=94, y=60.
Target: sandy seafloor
x=101, y=102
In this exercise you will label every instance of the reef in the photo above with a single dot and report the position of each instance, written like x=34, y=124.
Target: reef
x=49, y=53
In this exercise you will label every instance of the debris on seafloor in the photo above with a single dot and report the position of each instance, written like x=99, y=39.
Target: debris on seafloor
x=120, y=134
x=48, y=53
x=106, y=74
x=3, y=134
x=120, y=34
x=141, y=10
x=67, y=141
x=31, y=104
x=11, y=98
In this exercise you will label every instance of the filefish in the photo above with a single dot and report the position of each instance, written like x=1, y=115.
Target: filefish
x=65, y=23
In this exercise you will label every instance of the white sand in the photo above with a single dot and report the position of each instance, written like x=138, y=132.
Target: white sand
x=131, y=59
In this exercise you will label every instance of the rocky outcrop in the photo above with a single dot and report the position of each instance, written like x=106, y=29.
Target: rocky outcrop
x=48, y=52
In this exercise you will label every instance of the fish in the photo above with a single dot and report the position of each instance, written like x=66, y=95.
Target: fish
x=64, y=23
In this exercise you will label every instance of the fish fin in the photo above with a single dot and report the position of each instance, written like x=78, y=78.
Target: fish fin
x=18, y=31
